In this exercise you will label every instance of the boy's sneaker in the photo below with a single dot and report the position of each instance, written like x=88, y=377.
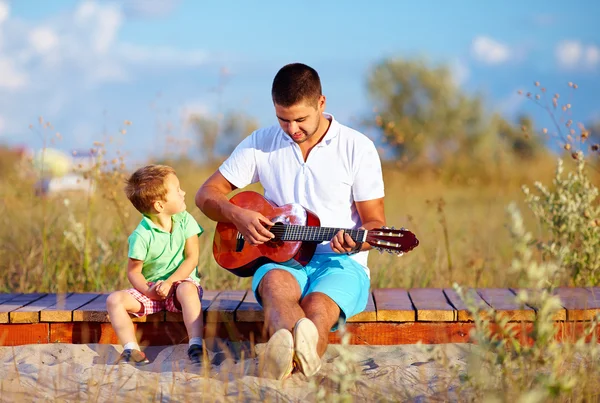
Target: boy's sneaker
x=278, y=359
x=306, y=338
x=134, y=357
x=195, y=353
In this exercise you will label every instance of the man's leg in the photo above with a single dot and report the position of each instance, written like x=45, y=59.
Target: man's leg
x=324, y=313
x=279, y=291
x=338, y=288
x=280, y=296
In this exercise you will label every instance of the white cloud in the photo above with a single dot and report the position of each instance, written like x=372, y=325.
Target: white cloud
x=43, y=39
x=571, y=54
x=490, y=51
x=149, y=8
x=49, y=67
x=11, y=78
x=4, y=11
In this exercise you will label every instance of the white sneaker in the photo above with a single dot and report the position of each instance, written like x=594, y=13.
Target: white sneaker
x=306, y=338
x=278, y=358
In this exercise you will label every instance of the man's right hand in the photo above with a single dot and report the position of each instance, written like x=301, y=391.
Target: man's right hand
x=251, y=225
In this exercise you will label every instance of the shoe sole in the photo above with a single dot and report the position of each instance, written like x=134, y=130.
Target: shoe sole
x=278, y=359
x=306, y=338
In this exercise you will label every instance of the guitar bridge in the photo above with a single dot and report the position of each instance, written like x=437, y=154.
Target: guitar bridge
x=239, y=245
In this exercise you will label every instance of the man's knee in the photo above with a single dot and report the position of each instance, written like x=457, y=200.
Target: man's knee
x=279, y=283
x=318, y=303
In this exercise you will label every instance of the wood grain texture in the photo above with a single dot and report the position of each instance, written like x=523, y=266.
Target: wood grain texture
x=369, y=314
x=431, y=305
x=393, y=305
x=462, y=313
x=31, y=313
x=17, y=302
x=503, y=301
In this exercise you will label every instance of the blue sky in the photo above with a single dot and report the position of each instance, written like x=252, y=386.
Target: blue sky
x=86, y=66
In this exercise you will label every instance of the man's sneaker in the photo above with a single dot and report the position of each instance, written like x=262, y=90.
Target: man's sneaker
x=134, y=357
x=195, y=353
x=306, y=338
x=278, y=358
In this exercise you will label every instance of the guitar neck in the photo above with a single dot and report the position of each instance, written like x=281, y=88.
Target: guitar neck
x=316, y=234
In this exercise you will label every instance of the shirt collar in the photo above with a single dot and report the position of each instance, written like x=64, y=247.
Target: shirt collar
x=150, y=224
x=332, y=132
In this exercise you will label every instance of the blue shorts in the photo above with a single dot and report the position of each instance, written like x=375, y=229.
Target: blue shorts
x=339, y=277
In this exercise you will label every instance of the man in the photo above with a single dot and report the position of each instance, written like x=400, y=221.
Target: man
x=328, y=168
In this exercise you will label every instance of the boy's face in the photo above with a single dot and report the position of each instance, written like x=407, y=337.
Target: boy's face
x=174, y=199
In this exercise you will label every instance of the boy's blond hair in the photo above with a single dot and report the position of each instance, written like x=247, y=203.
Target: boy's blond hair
x=147, y=185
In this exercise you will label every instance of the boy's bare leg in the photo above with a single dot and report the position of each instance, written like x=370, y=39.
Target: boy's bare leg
x=187, y=295
x=118, y=305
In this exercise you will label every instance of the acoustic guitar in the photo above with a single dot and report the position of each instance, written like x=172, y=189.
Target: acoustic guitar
x=297, y=233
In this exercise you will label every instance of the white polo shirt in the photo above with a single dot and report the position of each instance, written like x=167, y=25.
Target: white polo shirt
x=343, y=168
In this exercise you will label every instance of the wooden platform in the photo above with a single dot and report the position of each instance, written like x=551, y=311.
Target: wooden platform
x=392, y=316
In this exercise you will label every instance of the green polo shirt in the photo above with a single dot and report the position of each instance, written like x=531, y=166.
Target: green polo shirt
x=161, y=251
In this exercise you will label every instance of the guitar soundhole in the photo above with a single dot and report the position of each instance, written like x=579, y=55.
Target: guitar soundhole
x=277, y=230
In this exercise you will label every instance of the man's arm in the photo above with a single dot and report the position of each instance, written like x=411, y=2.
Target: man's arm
x=212, y=200
x=372, y=215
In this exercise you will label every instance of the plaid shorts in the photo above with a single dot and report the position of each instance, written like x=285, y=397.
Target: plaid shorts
x=150, y=306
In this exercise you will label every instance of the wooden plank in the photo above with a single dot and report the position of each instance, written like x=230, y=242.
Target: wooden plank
x=93, y=311
x=462, y=313
x=502, y=300
x=7, y=297
x=31, y=313
x=559, y=315
x=223, y=307
x=393, y=305
x=63, y=312
x=369, y=314
x=16, y=303
x=431, y=305
x=147, y=333
x=207, y=298
x=580, y=303
x=20, y=334
x=249, y=310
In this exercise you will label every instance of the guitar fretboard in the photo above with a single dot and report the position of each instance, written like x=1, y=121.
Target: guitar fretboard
x=313, y=234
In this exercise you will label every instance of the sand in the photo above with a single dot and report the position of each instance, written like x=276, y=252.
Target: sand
x=86, y=372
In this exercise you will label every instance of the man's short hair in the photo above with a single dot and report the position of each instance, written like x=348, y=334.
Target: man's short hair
x=294, y=83
x=147, y=185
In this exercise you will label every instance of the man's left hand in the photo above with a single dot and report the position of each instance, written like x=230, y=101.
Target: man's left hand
x=343, y=243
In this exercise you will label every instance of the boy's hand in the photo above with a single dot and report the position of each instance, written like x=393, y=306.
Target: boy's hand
x=152, y=293
x=164, y=288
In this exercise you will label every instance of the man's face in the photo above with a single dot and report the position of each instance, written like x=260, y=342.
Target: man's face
x=301, y=121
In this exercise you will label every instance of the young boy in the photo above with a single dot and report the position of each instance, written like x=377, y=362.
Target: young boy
x=163, y=255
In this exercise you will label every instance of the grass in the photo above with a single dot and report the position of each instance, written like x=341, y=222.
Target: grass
x=79, y=243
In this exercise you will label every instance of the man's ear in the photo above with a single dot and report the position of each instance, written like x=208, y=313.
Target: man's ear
x=322, y=103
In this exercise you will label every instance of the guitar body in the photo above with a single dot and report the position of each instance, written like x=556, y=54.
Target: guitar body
x=245, y=262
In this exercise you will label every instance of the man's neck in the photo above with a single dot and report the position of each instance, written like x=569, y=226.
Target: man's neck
x=324, y=126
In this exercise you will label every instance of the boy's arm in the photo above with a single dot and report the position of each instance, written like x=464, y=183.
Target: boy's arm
x=191, y=253
x=136, y=278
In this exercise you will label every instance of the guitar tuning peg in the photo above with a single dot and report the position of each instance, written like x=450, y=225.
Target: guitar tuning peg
x=393, y=227
x=385, y=227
